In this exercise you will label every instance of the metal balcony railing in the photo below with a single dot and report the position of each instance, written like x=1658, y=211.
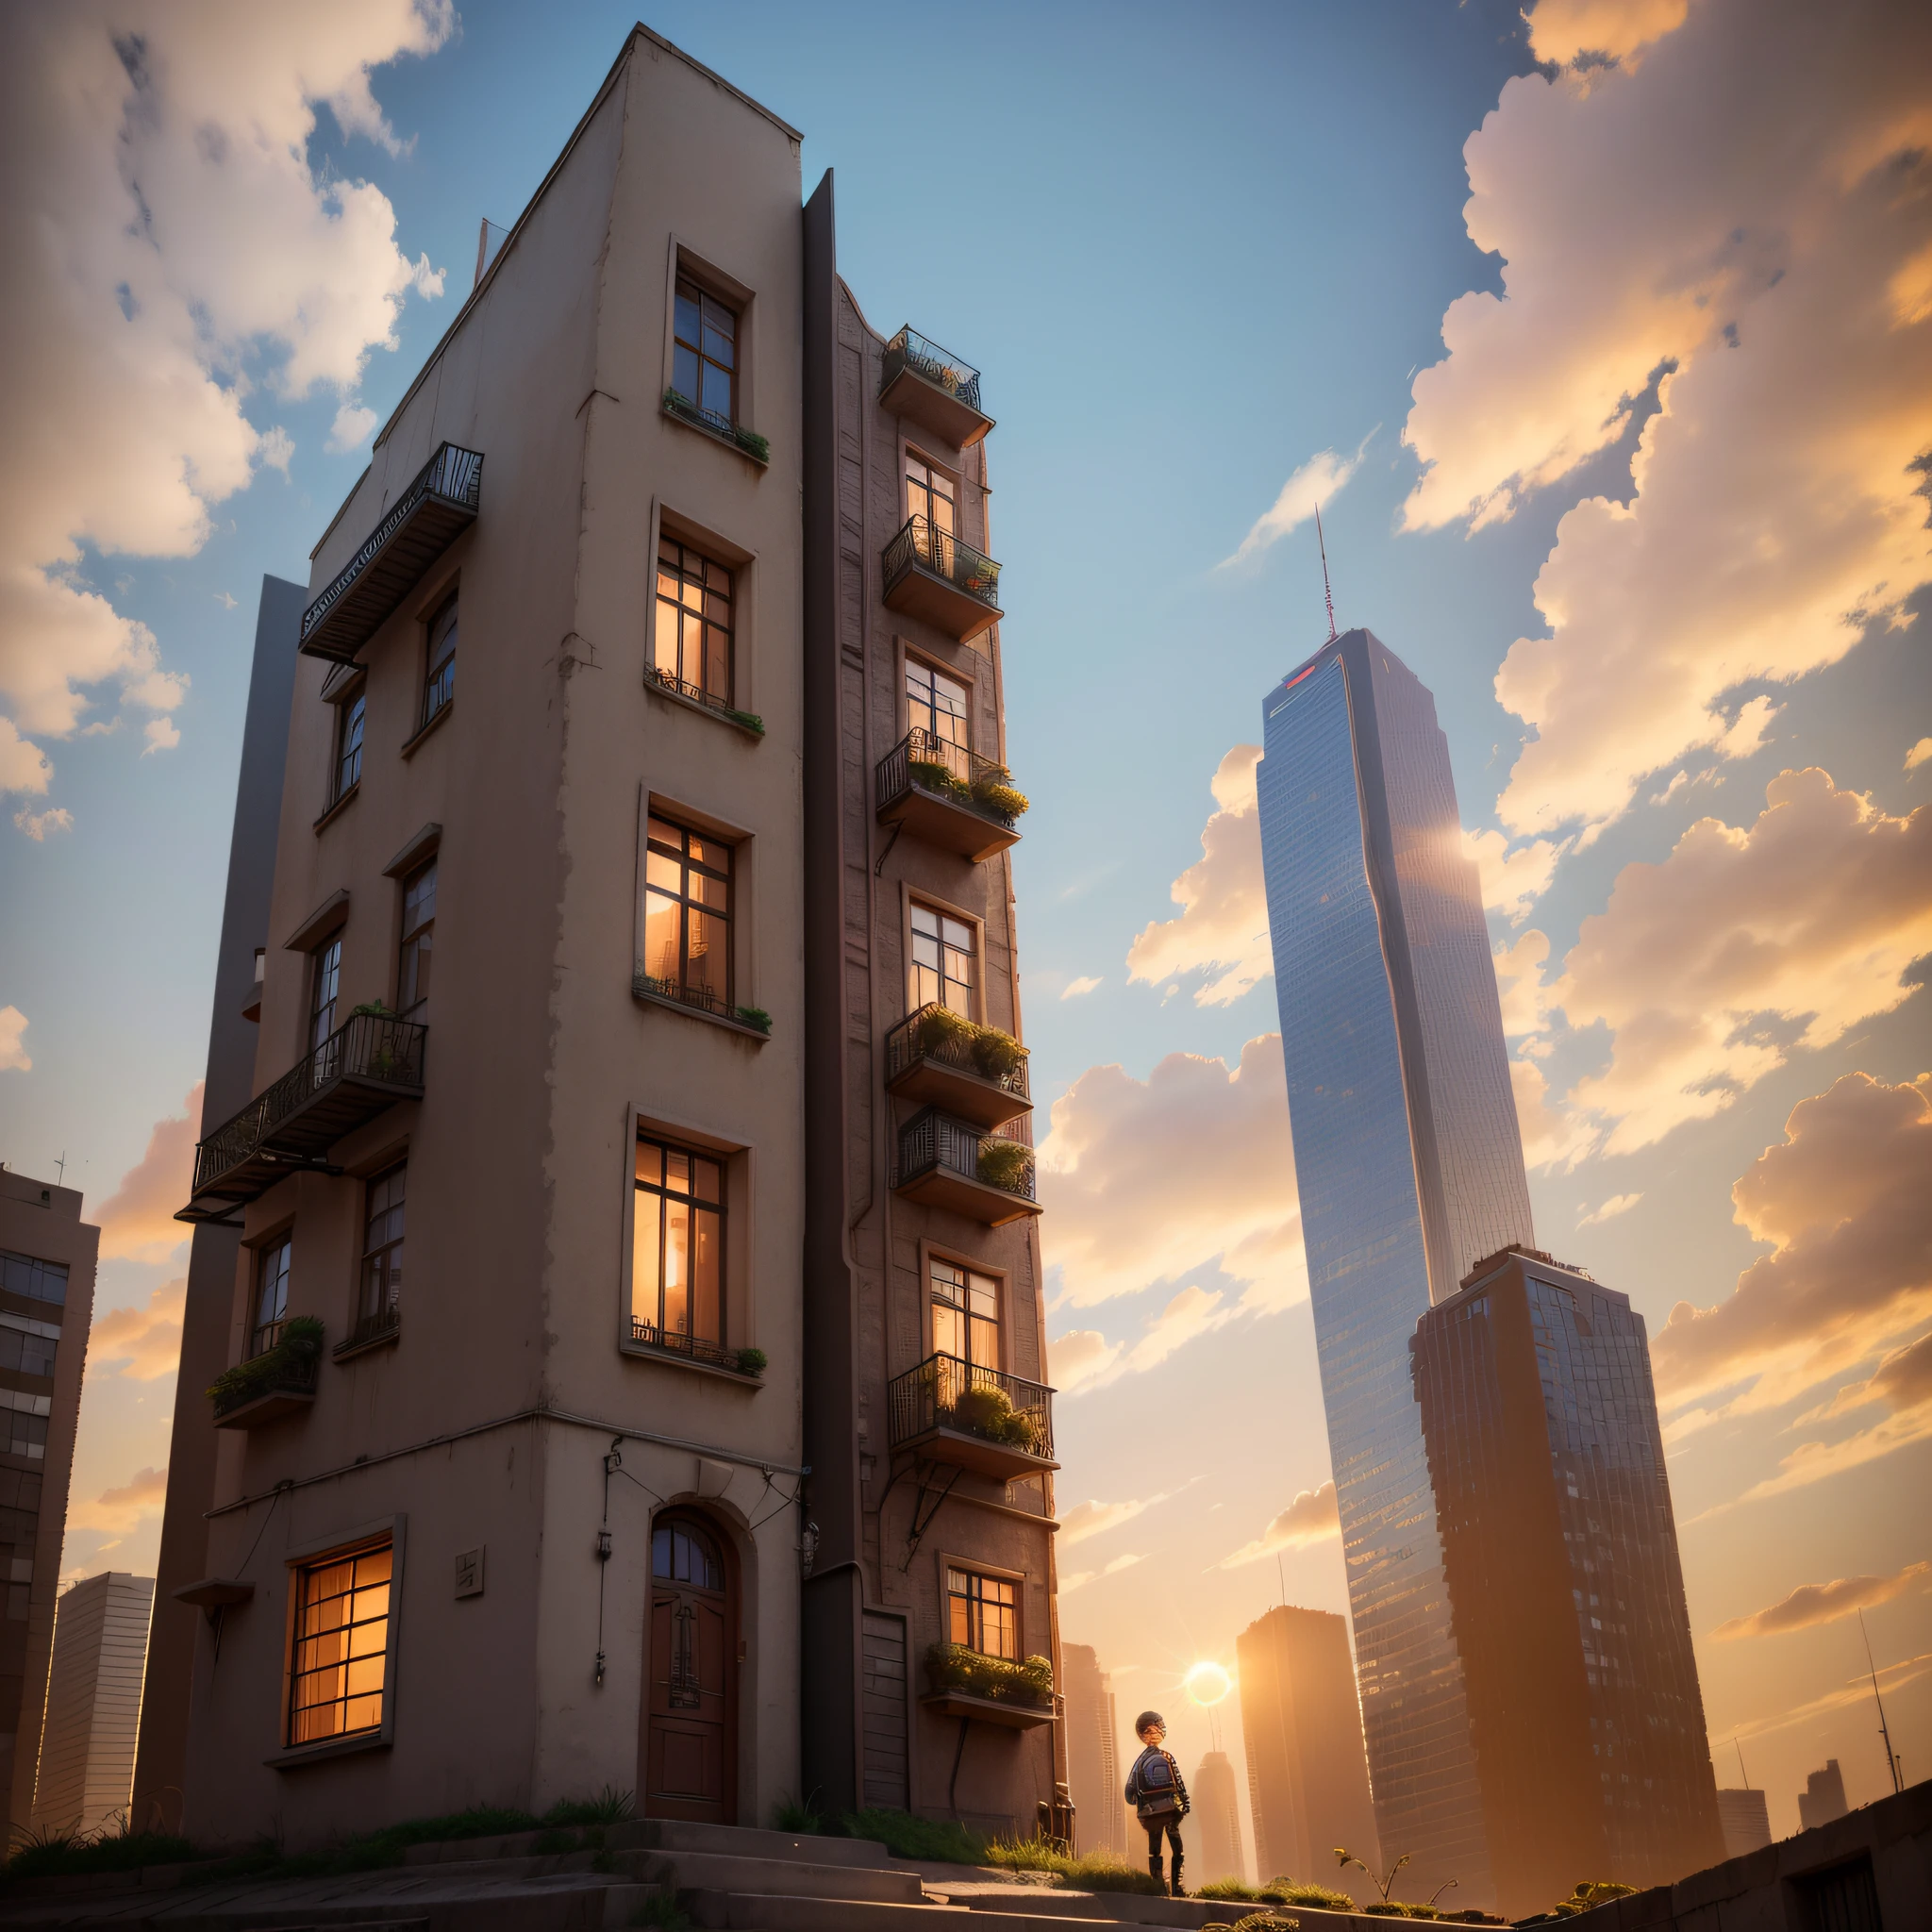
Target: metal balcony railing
x=935, y=1033
x=944, y=1393
x=377, y=1327
x=286, y=1368
x=376, y=1053
x=1001, y=1158
x=909, y=350
x=949, y=772
x=648, y=1335
x=945, y=554
x=704, y=998
x=756, y=446
x=415, y=530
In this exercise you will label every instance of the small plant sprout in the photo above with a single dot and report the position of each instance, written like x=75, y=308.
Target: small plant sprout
x=1345, y=1857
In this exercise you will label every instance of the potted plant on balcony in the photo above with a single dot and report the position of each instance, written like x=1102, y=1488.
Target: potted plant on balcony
x=290, y=1364
x=995, y=1053
x=994, y=791
x=998, y=1679
x=986, y=1409
x=937, y=776
x=940, y=1027
x=1003, y=1163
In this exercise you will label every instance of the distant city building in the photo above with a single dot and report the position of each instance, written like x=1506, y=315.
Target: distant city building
x=1301, y=1728
x=1095, y=1777
x=93, y=1701
x=1214, y=1839
x=1409, y=1162
x=1565, y=1586
x=1822, y=1798
x=47, y=1255
x=1742, y=1816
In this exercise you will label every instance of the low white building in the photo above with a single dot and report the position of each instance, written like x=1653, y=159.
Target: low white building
x=93, y=1701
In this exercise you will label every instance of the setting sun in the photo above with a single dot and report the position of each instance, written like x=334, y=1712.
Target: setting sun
x=1208, y=1683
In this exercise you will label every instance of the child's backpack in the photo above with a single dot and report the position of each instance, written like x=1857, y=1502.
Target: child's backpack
x=1156, y=1785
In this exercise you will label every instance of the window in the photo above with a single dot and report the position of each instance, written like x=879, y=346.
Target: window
x=351, y=714
x=692, y=645
x=327, y=982
x=438, y=685
x=23, y=1433
x=983, y=1613
x=419, y=932
x=935, y=704
x=270, y=1295
x=942, y=950
x=682, y=1552
x=678, y=1257
x=28, y=1347
x=382, y=1247
x=340, y=1666
x=704, y=363
x=965, y=1314
x=37, y=1281
x=929, y=496
x=686, y=916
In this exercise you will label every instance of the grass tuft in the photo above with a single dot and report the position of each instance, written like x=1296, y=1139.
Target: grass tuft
x=906, y=1836
x=1090, y=1872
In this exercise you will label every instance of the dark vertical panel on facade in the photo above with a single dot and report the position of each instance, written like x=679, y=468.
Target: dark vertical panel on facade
x=160, y=1763
x=886, y=1781
x=829, y=1692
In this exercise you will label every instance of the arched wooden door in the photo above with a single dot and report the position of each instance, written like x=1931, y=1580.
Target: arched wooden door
x=687, y=1753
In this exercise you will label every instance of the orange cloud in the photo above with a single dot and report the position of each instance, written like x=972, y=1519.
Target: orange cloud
x=1311, y=1518
x=1842, y=1199
x=118, y=1510
x=143, y=1343
x=1812, y=1603
x=137, y=1221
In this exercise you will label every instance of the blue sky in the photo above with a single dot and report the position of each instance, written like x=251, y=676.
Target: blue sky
x=1192, y=251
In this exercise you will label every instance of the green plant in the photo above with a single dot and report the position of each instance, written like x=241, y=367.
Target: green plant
x=995, y=791
x=986, y=1409
x=957, y=1667
x=802, y=1818
x=753, y=444
x=750, y=720
x=375, y=1010
x=939, y=1027
x=757, y=1017
x=1262, y=1921
x=752, y=1361
x=1090, y=1872
x=1003, y=1163
x=906, y=1836
x=289, y=1362
x=1345, y=1857
x=610, y=1807
x=44, y=1854
x=995, y=1053
x=936, y=777
x=1395, y=1908
x=1298, y=1892
x=1591, y=1893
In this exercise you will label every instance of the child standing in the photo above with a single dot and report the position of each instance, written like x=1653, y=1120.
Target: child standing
x=1160, y=1796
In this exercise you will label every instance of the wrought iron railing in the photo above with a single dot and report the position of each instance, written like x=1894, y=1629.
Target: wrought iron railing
x=710, y=700
x=945, y=554
x=648, y=1335
x=936, y=1033
x=964, y=778
x=719, y=424
x=287, y=1367
x=375, y=1327
x=944, y=1393
x=375, y=1047
x=998, y=1158
x=704, y=998
x=910, y=350
x=452, y=474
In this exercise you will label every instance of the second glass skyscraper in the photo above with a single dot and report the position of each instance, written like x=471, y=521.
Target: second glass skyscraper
x=1411, y=1169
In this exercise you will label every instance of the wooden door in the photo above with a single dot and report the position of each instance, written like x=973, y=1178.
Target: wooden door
x=687, y=1756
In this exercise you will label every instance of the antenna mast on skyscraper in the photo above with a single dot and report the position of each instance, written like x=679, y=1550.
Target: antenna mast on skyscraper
x=1891, y=1762
x=1328, y=596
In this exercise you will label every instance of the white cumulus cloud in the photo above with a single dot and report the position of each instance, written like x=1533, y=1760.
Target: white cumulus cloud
x=14, y=1058
x=1308, y=490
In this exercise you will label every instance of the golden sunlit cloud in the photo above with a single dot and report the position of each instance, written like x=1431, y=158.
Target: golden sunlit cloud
x=1812, y=1603
x=137, y=1220
x=1311, y=1518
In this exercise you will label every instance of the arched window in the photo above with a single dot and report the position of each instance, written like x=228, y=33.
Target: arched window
x=683, y=1552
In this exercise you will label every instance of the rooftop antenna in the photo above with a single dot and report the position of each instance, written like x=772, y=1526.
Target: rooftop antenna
x=1328, y=596
x=1740, y=1750
x=62, y=1164
x=1891, y=1763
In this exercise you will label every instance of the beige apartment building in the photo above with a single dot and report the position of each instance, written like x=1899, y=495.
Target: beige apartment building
x=47, y=1260
x=635, y=1351
x=93, y=1702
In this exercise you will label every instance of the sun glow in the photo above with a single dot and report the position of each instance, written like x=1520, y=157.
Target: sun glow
x=1208, y=1683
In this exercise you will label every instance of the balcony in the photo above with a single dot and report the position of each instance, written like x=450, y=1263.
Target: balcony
x=975, y=1074
x=949, y=1163
x=359, y=1070
x=949, y=796
x=279, y=1382
x=965, y=1683
x=932, y=575
x=417, y=528
x=923, y=383
x=950, y=1410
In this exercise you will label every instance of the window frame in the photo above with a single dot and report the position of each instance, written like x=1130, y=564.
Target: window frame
x=911, y=662
x=392, y=1299
x=351, y=707
x=283, y=1243
x=916, y=902
x=690, y=552
x=703, y=290
x=667, y=1145
x=653, y=814
x=428, y=713
x=318, y=966
x=972, y=1569
x=932, y=1255
x=361, y=1536
x=409, y=935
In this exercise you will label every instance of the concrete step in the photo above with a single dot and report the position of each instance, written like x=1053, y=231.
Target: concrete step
x=654, y=1834
x=775, y=1877
x=1143, y=1909
x=737, y=1911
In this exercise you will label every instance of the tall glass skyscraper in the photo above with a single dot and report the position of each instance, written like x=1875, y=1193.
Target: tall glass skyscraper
x=1411, y=1169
